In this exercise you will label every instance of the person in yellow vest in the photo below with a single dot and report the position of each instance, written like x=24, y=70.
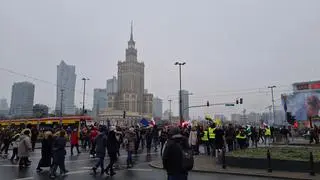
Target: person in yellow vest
x=212, y=138
x=267, y=135
x=241, y=139
x=205, y=140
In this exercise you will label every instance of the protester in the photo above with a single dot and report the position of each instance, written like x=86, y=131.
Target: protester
x=46, y=151
x=173, y=158
x=112, y=150
x=101, y=145
x=130, y=139
x=193, y=139
x=59, y=152
x=163, y=139
x=34, y=137
x=74, y=141
x=15, y=144
x=24, y=148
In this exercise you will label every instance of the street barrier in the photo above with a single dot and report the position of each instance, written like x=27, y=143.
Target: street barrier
x=223, y=158
x=312, y=173
x=269, y=161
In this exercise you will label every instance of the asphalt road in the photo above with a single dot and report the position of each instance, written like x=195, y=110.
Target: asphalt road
x=80, y=169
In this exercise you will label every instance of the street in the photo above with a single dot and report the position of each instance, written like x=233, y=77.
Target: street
x=80, y=169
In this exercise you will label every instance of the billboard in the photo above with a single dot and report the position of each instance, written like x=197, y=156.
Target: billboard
x=302, y=105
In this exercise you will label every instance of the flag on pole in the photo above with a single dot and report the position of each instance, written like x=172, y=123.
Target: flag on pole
x=144, y=122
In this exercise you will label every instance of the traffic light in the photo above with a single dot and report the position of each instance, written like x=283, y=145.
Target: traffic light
x=124, y=114
x=208, y=104
x=237, y=101
x=241, y=101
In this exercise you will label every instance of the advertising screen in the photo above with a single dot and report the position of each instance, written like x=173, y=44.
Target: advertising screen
x=303, y=105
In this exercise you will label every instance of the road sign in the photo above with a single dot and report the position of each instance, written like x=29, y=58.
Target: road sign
x=229, y=104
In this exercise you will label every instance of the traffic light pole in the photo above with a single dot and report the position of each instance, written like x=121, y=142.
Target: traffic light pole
x=215, y=104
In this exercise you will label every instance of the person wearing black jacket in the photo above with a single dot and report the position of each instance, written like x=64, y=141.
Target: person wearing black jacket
x=34, y=137
x=46, y=151
x=172, y=158
x=59, y=152
x=101, y=145
x=163, y=139
x=112, y=148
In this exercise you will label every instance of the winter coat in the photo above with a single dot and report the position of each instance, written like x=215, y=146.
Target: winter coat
x=46, y=152
x=112, y=143
x=101, y=145
x=15, y=141
x=24, y=146
x=193, y=138
x=172, y=155
x=34, y=134
x=93, y=134
x=163, y=136
x=130, y=140
x=59, y=149
x=74, y=140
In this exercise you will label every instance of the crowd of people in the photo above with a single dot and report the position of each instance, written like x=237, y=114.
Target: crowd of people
x=101, y=141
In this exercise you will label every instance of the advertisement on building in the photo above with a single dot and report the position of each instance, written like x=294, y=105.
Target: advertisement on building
x=303, y=105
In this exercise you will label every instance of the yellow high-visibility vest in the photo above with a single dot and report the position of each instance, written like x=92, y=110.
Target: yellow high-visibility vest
x=205, y=136
x=268, y=132
x=212, y=134
x=241, y=137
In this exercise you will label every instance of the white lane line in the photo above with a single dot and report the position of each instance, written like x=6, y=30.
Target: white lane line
x=9, y=165
x=81, y=160
x=146, y=170
x=69, y=173
x=78, y=172
x=26, y=178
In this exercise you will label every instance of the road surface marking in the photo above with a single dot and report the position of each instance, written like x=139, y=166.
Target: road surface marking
x=78, y=172
x=146, y=170
x=26, y=178
x=9, y=165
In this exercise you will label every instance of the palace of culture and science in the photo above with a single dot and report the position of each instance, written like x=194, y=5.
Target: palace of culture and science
x=131, y=96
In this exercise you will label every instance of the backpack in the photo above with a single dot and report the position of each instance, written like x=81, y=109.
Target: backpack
x=187, y=158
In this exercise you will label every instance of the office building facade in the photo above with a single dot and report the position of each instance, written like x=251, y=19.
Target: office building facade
x=22, y=97
x=66, y=82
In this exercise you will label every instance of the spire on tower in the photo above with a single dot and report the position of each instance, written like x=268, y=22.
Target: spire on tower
x=131, y=34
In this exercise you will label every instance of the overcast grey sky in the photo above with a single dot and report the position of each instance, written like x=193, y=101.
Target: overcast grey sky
x=228, y=46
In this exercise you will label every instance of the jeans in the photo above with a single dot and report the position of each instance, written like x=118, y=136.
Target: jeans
x=23, y=161
x=33, y=145
x=14, y=154
x=113, y=159
x=5, y=148
x=178, y=177
x=129, y=158
x=74, y=145
x=100, y=163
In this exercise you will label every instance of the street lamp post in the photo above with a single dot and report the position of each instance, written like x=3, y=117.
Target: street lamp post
x=84, y=94
x=180, y=89
x=274, y=115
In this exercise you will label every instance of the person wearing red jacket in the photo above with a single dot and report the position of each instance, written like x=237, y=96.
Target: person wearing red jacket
x=93, y=135
x=74, y=141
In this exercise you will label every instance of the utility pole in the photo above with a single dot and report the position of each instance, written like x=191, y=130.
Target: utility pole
x=170, y=101
x=274, y=115
x=61, y=109
x=84, y=95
